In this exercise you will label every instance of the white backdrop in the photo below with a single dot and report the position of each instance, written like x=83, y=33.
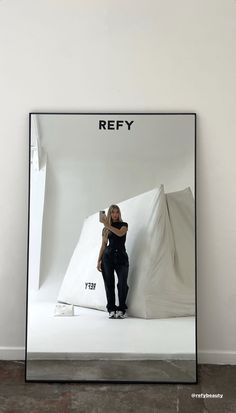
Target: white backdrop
x=86, y=171
x=123, y=56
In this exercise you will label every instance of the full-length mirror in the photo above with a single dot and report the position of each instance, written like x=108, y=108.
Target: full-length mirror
x=111, y=291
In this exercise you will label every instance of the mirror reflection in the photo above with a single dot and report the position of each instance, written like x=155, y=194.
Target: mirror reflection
x=111, y=268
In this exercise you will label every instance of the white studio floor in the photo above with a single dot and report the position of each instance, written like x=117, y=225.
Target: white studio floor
x=91, y=331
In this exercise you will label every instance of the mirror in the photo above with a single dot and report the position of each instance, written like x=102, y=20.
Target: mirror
x=112, y=297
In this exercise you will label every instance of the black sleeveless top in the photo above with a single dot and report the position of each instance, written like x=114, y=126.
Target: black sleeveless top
x=116, y=242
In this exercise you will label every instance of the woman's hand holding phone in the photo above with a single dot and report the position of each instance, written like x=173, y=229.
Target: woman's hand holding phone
x=103, y=218
x=102, y=215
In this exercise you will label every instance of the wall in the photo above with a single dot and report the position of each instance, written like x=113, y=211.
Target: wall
x=123, y=56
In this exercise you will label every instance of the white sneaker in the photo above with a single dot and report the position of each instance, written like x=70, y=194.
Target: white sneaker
x=120, y=314
x=112, y=314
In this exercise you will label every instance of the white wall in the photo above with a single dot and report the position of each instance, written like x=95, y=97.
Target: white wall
x=124, y=56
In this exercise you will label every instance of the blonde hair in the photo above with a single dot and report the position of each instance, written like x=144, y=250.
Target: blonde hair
x=105, y=230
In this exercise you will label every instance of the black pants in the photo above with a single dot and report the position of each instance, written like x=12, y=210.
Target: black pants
x=115, y=260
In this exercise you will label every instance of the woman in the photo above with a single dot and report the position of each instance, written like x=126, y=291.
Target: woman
x=113, y=257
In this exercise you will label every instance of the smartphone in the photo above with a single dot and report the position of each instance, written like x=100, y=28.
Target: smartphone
x=100, y=215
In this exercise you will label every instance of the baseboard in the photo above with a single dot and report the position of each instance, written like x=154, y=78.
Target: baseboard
x=12, y=353
x=110, y=356
x=204, y=357
x=216, y=357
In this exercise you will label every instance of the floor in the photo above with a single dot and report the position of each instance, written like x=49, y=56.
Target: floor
x=91, y=346
x=115, y=370
x=91, y=331
x=16, y=396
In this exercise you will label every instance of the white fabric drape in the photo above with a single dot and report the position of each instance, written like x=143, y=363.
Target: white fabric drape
x=160, y=246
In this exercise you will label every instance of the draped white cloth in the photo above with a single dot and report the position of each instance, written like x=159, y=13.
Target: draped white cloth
x=160, y=245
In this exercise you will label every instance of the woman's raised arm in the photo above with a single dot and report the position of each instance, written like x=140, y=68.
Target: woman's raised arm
x=103, y=246
x=120, y=232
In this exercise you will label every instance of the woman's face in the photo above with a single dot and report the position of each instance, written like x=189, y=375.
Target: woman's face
x=115, y=215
